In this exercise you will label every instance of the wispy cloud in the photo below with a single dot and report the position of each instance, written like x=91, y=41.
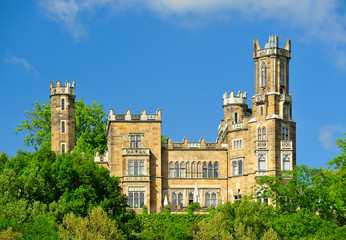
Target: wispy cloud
x=22, y=62
x=322, y=19
x=328, y=135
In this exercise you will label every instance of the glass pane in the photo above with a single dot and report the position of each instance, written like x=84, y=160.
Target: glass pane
x=235, y=170
x=141, y=170
x=205, y=170
x=141, y=200
x=216, y=170
x=136, y=195
x=240, y=169
x=138, y=144
x=286, y=165
x=131, y=202
x=261, y=165
x=190, y=196
x=136, y=168
x=171, y=172
x=135, y=202
x=130, y=170
x=182, y=172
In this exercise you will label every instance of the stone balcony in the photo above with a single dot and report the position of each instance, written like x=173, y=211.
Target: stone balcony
x=260, y=98
x=237, y=126
x=139, y=178
x=286, y=98
x=136, y=151
x=286, y=145
x=261, y=144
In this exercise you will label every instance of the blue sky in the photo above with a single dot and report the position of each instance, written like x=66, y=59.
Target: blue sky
x=177, y=55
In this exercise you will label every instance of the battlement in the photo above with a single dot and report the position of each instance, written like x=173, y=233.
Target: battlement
x=240, y=98
x=67, y=89
x=134, y=117
x=271, y=48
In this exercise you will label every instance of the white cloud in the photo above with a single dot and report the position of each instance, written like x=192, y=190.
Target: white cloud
x=322, y=19
x=23, y=62
x=328, y=135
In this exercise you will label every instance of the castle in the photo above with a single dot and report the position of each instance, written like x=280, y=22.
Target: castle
x=155, y=173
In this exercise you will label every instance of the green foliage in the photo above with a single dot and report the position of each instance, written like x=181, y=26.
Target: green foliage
x=167, y=210
x=168, y=226
x=91, y=124
x=248, y=112
x=163, y=138
x=3, y=160
x=145, y=210
x=194, y=206
x=97, y=225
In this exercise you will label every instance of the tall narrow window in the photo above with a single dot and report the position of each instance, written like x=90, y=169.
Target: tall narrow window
x=286, y=163
x=210, y=170
x=188, y=170
x=207, y=200
x=282, y=74
x=131, y=165
x=235, y=117
x=174, y=200
x=216, y=170
x=193, y=170
x=136, y=168
x=141, y=168
x=261, y=163
x=240, y=165
x=286, y=133
x=63, y=126
x=133, y=141
x=180, y=200
x=205, y=170
x=261, y=110
x=176, y=169
x=138, y=141
x=259, y=134
x=63, y=104
x=263, y=75
x=282, y=133
x=63, y=148
x=235, y=168
x=199, y=170
x=213, y=199
x=171, y=170
x=264, y=133
x=182, y=169
x=190, y=198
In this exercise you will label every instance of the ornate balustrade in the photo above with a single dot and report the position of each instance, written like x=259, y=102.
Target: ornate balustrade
x=136, y=151
x=237, y=126
x=259, y=98
x=260, y=173
x=136, y=178
x=286, y=145
x=134, y=117
x=286, y=98
x=210, y=145
x=261, y=144
x=194, y=145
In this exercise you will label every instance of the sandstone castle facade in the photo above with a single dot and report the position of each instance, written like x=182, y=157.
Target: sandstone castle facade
x=248, y=146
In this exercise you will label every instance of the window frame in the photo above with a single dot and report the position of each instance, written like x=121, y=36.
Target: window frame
x=63, y=103
x=63, y=126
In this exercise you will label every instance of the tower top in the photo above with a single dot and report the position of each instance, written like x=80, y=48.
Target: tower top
x=231, y=99
x=67, y=89
x=271, y=48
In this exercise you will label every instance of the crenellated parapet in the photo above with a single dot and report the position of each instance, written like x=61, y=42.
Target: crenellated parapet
x=67, y=89
x=271, y=47
x=134, y=117
x=240, y=98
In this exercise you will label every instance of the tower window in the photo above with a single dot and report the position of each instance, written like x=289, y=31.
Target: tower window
x=63, y=126
x=284, y=133
x=282, y=74
x=235, y=117
x=259, y=134
x=263, y=75
x=286, y=163
x=135, y=141
x=63, y=147
x=264, y=133
x=63, y=104
x=261, y=163
x=285, y=110
x=261, y=111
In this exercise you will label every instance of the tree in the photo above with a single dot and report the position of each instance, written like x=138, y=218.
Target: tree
x=97, y=225
x=91, y=123
x=3, y=160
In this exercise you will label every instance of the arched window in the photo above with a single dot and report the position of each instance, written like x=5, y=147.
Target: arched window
x=190, y=198
x=207, y=200
x=176, y=169
x=63, y=147
x=261, y=163
x=286, y=133
x=216, y=170
x=180, y=200
x=210, y=170
x=63, y=104
x=286, y=163
x=259, y=134
x=182, y=169
x=199, y=170
x=188, y=170
x=193, y=170
x=240, y=166
x=171, y=170
x=264, y=133
x=174, y=200
x=63, y=127
x=205, y=170
x=263, y=75
x=213, y=199
x=235, y=168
